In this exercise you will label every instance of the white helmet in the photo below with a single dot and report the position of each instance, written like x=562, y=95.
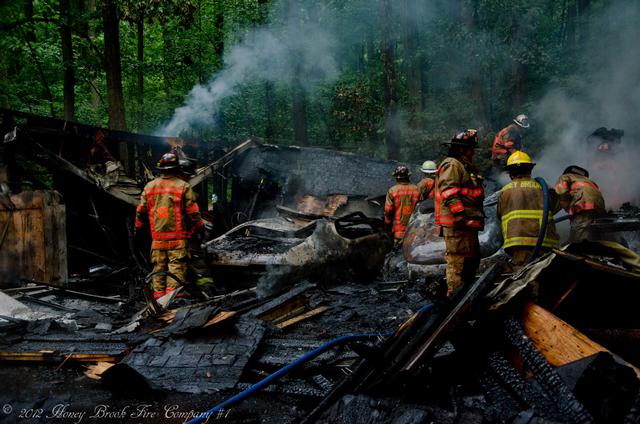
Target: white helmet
x=429, y=167
x=522, y=120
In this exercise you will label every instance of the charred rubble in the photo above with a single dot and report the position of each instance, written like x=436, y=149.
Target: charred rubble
x=301, y=325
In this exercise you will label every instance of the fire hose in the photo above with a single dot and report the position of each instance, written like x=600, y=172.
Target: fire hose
x=287, y=368
x=545, y=219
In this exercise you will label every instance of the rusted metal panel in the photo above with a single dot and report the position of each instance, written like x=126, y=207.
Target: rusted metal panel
x=35, y=243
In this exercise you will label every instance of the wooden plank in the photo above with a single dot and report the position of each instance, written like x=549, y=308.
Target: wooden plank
x=559, y=342
x=302, y=317
x=48, y=356
x=219, y=317
x=95, y=371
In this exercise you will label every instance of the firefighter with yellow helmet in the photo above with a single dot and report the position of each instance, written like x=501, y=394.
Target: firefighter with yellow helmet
x=520, y=209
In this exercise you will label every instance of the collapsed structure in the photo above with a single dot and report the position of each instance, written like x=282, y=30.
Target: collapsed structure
x=301, y=328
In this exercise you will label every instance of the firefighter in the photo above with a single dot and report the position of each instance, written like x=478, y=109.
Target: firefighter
x=508, y=140
x=400, y=202
x=459, y=215
x=582, y=199
x=520, y=208
x=169, y=204
x=425, y=186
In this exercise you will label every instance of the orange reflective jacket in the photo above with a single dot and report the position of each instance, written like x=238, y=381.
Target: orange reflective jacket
x=581, y=193
x=426, y=188
x=170, y=205
x=459, y=196
x=507, y=141
x=401, y=199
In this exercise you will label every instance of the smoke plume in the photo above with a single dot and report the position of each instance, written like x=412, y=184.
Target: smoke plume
x=278, y=53
x=604, y=93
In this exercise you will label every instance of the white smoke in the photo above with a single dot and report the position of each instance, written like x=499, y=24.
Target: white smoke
x=604, y=93
x=274, y=54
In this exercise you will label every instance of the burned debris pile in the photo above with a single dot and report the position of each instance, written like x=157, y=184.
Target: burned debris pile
x=300, y=324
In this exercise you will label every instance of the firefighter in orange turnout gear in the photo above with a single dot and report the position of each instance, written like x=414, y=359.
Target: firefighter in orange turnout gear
x=459, y=212
x=508, y=140
x=520, y=208
x=582, y=199
x=427, y=184
x=400, y=202
x=169, y=204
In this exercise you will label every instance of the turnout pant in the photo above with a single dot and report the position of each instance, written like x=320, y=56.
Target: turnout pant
x=462, y=254
x=172, y=260
x=580, y=227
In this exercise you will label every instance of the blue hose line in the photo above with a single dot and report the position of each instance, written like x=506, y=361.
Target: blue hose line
x=425, y=308
x=545, y=218
x=287, y=368
x=282, y=371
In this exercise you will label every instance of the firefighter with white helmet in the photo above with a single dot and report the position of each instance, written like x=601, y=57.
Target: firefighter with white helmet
x=509, y=140
x=427, y=183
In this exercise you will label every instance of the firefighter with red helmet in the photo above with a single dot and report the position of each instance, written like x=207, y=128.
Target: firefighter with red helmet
x=400, y=202
x=169, y=205
x=582, y=199
x=509, y=140
x=459, y=195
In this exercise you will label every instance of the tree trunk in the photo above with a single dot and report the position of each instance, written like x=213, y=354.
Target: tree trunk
x=572, y=15
x=299, y=101
x=219, y=35
x=518, y=72
x=475, y=79
x=299, y=114
x=140, y=73
x=583, y=9
x=95, y=95
x=270, y=110
x=4, y=100
x=28, y=14
x=413, y=66
x=69, y=84
x=387, y=55
x=374, y=96
x=518, y=69
x=115, y=99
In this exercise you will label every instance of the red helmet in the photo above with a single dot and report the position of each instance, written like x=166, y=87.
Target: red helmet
x=467, y=138
x=402, y=171
x=168, y=161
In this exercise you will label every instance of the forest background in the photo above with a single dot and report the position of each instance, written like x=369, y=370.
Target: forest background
x=386, y=78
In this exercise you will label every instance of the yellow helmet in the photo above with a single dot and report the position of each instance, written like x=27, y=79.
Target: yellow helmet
x=518, y=158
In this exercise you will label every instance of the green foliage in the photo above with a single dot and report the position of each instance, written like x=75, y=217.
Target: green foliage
x=476, y=59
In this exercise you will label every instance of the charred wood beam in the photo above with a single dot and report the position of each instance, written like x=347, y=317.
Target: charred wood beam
x=48, y=304
x=204, y=172
x=62, y=127
x=50, y=159
x=597, y=265
x=94, y=254
x=435, y=336
x=549, y=379
x=409, y=349
x=616, y=225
